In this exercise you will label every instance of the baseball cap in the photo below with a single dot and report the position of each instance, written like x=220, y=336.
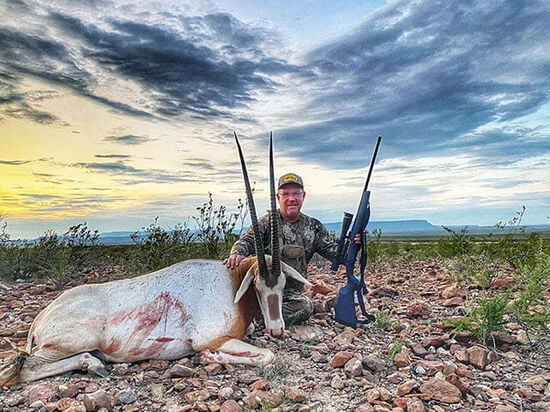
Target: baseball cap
x=290, y=178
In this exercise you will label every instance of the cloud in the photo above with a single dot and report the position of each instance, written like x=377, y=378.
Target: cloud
x=128, y=139
x=201, y=66
x=428, y=76
x=14, y=162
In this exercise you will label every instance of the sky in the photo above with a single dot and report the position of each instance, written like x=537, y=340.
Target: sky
x=117, y=112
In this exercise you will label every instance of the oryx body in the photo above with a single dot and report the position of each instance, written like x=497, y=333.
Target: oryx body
x=193, y=306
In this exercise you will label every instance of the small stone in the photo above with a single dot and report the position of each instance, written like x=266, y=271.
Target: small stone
x=478, y=357
x=337, y=382
x=435, y=341
x=225, y=393
x=96, y=400
x=373, y=363
x=418, y=309
x=180, y=371
x=415, y=405
x=197, y=396
x=441, y=391
x=231, y=406
x=70, y=405
x=537, y=382
x=373, y=395
x=45, y=392
x=127, y=396
x=213, y=368
x=340, y=359
x=402, y=358
x=353, y=368
x=296, y=394
x=406, y=387
x=157, y=390
x=259, y=385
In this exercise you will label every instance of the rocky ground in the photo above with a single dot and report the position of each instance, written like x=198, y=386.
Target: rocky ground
x=320, y=366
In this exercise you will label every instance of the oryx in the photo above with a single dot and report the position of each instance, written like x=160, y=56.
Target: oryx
x=193, y=306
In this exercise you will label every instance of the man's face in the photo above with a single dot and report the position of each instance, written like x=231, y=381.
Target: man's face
x=291, y=198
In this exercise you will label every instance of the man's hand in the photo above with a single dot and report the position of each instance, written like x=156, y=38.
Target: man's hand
x=233, y=260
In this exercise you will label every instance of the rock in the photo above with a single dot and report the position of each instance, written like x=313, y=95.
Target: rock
x=353, y=368
x=441, y=391
x=451, y=292
x=340, y=359
x=418, y=350
x=226, y=393
x=373, y=363
x=454, y=302
x=537, y=382
x=478, y=357
x=127, y=396
x=45, y=392
x=456, y=381
x=157, y=390
x=435, y=341
x=70, y=405
x=528, y=393
x=418, y=310
x=406, y=387
x=296, y=394
x=212, y=368
x=259, y=385
x=415, y=405
x=256, y=398
x=402, y=358
x=197, y=396
x=337, y=382
x=97, y=400
x=305, y=333
x=179, y=371
x=231, y=406
x=372, y=395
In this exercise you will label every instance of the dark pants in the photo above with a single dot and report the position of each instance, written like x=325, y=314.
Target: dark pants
x=297, y=308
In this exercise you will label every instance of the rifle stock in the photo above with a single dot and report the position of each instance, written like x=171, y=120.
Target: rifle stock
x=344, y=309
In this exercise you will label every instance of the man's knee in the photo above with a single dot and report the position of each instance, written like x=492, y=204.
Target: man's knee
x=297, y=308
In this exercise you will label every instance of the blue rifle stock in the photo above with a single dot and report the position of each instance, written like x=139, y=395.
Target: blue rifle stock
x=348, y=249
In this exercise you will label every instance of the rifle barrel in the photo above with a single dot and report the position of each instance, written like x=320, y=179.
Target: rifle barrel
x=378, y=141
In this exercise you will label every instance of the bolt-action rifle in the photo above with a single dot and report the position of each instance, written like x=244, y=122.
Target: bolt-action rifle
x=348, y=249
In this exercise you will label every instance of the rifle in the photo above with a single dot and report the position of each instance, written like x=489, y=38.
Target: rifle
x=347, y=251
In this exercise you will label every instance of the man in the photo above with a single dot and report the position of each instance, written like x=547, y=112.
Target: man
x=300, y=237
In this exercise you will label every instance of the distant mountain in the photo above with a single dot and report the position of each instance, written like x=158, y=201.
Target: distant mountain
x=395, y=227
x=387, y=227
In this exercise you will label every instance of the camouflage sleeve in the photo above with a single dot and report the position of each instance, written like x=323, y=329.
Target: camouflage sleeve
x=245, y=245
x=327, y=247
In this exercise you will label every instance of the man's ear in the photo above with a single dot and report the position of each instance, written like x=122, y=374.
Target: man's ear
x=290, y=272
x=245, y=284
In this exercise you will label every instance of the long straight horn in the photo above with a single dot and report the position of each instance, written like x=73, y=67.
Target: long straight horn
x=276, y=251
x=260, y=251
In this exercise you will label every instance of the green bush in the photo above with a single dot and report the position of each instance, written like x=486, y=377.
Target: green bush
x=486, y=316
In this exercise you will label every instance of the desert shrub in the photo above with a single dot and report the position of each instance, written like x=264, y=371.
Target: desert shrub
x=158, y=247
x=216, y=228
x=479, y=269
x=533, y=282
x=486, y=316
x=455, y=244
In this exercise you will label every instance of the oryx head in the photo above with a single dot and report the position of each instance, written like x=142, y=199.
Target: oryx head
x=266, y=275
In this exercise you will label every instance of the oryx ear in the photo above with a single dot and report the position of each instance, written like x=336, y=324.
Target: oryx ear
x=290, y=272
x=245, y=284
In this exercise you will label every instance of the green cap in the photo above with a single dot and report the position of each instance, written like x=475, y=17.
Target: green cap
x=290, y=179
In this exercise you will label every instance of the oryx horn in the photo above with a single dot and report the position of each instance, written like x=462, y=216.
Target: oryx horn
x=260, y=251
x=276, y=251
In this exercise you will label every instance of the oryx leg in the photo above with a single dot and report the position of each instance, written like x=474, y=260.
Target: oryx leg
x=38, y=366
x=237, y=351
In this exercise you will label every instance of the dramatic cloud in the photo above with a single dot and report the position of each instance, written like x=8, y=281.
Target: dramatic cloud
x=128, y=139
x=429, y=77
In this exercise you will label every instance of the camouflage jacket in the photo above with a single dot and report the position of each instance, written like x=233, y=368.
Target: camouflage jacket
x=299, y=241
